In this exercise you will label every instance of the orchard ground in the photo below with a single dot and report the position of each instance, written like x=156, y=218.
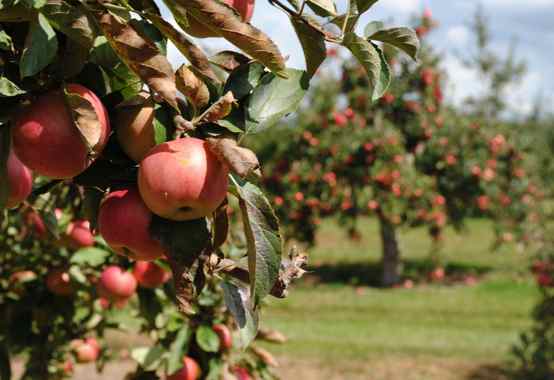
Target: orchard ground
x=342, y=329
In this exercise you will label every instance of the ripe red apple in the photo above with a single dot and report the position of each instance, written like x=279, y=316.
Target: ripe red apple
x=244, y=7
x=20, y=181
x=46, y=139
x=225, y=337
x=135, y=131
x=124, y=222
x=117, y=284
x=149, y=274
x=545, y=280
x=86, y=350
x=35, y=222
x=190, y=371
x=78, y=234
x=182, y=180
x=59, y=282
x=242, y=373
x=437, y=274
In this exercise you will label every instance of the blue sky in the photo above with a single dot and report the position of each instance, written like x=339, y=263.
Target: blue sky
x=528, y=22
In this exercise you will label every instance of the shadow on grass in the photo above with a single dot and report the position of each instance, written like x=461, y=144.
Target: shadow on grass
x=492, y=372
x=369, y=273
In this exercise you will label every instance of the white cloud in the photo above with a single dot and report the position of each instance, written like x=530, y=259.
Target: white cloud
x=457, y=35
x=401, y=6
x=518, y=3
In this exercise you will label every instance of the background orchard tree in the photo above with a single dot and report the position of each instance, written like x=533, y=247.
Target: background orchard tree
x=410, y=161
x=95, y=112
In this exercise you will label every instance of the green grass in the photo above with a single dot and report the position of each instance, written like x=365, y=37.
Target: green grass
x=477, y=324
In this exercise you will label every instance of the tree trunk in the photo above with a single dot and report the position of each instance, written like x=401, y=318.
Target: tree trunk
x=391, y=254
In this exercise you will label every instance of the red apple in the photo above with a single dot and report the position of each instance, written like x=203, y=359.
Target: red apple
x=241, y=373
x=124, y=222
x=59, y=282
x=149, y=274
x=197, y=29
x=225, y=337
x=182, y=180
x=35, y=222
x=117, y=284
x=46, y=139
x=190, y=371
x=135, y=130
x=86, y=350
x=437, y=274
x=20, y=181
x=78, y=234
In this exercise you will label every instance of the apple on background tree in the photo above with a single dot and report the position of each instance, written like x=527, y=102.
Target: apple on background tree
x=78, y=234
x=189, y=371
x=46, y=139
x=124, y=222
x=224, y=334
x=182, y=180
x=58, y=282
x=86, y=350
x=150, y=274
x=117, y=284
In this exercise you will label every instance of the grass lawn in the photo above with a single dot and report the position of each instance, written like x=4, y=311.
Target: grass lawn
x=340, y=331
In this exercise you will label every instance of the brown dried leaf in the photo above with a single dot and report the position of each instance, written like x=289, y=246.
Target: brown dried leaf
x=71, y=20
x=192, y=87
x=192, y=52
x=241, y=161
x=142, y=56
x=265, y=356
x=229, y=60
x=219, y=110
x=226, y=22
x=85, y=119
x=272, y=336
x=220, y=226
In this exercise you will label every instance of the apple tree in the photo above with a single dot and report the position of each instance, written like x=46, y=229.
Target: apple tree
x=119, y=173
x=409, y=161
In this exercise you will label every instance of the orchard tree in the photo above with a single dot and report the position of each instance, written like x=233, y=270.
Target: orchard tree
x=410, y=161
x=116, y=171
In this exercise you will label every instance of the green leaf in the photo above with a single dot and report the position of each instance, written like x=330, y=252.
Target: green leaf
x=71, y=21
x=149, y=358
x=5, y=367
x=177, y=350
x=207, y=339
x=404, y=39
x=323, y=8
x=6, y=42
x=261, y=228
x=91, y=205
x=373, y=61
x=274, y=98
x=364, y=5
x=90, y=256
x=373, y=27
x=34, y=4
x=313, y=44
x=8, y=88
x=239, y=303
x=50, y=221
x=244, y=79
x=5, y=146
x=40, y=47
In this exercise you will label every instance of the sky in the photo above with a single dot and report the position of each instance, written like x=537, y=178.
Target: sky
x=528, y=23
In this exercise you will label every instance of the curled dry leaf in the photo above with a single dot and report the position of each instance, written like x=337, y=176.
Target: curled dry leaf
x=85, y=119
x=241, y=161
x=192, y=87
x=142, y=56
x=219, y=110
x=291, y=269
x=272, y=336
x=229, y=60
x=197, y=58
x=265, y=356
x=226, y=22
